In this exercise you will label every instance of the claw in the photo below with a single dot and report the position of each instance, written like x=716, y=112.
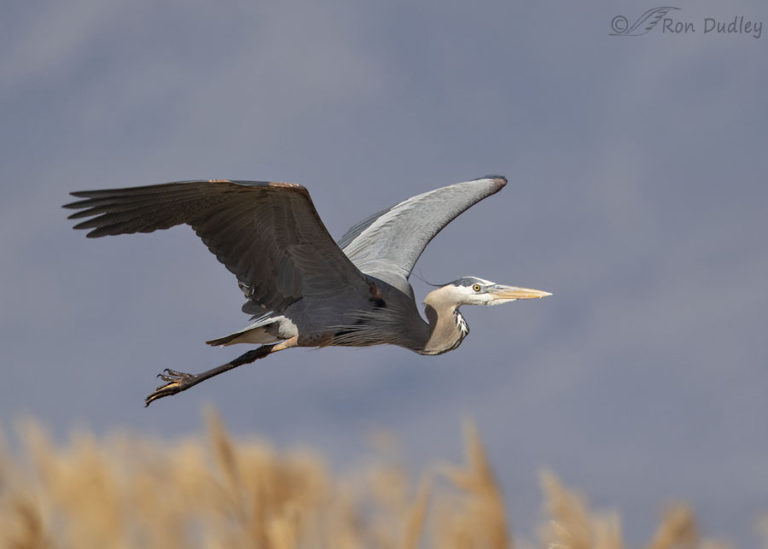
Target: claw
x=168, y=378
x=176, y=382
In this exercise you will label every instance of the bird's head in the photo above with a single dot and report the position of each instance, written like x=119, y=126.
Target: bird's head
x=471, y=290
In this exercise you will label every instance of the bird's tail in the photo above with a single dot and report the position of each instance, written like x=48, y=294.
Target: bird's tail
x=263, y=331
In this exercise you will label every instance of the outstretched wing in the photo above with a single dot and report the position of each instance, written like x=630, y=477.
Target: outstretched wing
x=388, y=244
x=268, y=234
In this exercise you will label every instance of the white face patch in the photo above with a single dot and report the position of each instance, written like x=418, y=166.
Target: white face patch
x=472, y=290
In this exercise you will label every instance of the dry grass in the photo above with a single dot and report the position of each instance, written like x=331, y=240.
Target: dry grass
x=216, y=492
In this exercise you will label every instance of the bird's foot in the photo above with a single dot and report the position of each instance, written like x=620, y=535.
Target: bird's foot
x=176, y=382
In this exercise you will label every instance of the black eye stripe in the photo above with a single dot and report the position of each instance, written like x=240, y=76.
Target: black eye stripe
x=467, y=281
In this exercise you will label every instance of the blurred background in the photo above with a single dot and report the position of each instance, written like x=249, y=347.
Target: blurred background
x=636, y=195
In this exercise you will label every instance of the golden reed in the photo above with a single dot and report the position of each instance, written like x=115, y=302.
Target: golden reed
x=127, y=491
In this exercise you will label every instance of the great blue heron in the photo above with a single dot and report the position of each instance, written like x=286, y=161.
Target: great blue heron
x=302, y=288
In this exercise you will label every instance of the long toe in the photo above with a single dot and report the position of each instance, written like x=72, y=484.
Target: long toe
x=172, y=376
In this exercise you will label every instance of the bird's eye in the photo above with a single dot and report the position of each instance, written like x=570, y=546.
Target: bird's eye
x=476, y=287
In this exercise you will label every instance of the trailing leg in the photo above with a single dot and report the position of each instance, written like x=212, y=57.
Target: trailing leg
x=181, y=381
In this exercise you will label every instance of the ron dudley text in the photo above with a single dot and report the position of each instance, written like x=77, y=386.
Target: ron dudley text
x=737, y=25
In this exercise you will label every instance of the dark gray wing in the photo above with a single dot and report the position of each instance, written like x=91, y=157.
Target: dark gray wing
x=388, y=244
x=268, y=234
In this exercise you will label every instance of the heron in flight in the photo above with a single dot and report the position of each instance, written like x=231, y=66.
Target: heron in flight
x=302, y=288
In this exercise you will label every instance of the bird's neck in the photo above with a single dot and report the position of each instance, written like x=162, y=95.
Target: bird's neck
x=447, y=327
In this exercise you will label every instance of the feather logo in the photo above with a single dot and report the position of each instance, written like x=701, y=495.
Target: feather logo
x=621, y=27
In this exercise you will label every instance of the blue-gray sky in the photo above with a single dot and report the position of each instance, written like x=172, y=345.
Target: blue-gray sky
x=637, y=195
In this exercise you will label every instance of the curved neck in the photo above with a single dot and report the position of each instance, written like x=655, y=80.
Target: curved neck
x=447, y=327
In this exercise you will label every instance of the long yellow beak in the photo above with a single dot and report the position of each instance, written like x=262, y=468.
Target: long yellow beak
x=499, y=291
